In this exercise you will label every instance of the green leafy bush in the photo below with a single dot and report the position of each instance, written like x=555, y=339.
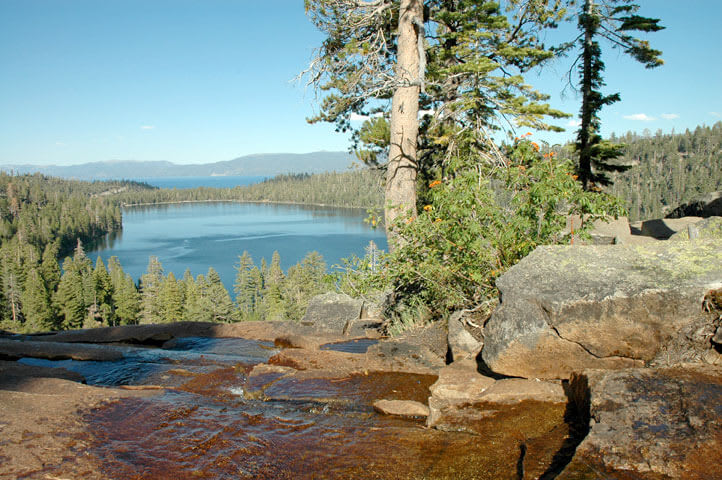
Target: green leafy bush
x=481, y=219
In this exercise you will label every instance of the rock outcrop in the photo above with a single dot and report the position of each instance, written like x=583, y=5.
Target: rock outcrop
x=337, y=313
x=663, y=228
x=462, y=396
x=649, y=423
x=708, y=206
x=565, y=309
x=462, y=344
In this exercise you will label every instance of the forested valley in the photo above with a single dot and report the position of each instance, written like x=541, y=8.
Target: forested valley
x=44, y=220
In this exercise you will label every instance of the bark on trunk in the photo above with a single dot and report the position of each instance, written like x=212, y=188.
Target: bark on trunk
x=403, y=166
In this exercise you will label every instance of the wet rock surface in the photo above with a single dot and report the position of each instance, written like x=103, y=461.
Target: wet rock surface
x=649, y=423
x=565, y=309
x=402, y=408
x=235, y=408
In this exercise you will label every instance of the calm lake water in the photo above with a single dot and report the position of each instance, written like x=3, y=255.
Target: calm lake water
x=202, y=235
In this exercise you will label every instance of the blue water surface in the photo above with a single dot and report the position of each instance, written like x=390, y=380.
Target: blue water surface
x=197, y=236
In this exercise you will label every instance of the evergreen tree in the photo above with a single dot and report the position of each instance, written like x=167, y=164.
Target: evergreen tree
x=171, y=300
x=304, y=280
x=70, y=298
x=611, y=20
x=245, y=286
x=462, y=59
x=150, y=283
x=36, y=308
x=49, y=268
x=273, y=307
x=193, y=304
x=103, y=299
x=126, y=298
x=221, y=305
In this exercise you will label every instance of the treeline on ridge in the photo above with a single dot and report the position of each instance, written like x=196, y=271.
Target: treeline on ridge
x=355, y=188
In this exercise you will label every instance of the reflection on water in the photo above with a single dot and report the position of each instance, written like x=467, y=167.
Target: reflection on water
x=197, y=236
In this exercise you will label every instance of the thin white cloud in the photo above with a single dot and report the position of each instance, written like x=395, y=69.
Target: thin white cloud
x=641, y=117
x=669, y=116
x=574, y=123
x=147, y=127
x=715, y=114
x=61, y=144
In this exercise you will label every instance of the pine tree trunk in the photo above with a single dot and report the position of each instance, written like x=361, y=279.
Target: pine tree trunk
x=403, y=166
x=588, y=110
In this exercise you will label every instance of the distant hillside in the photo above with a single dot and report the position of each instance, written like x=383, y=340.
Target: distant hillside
x=250, y=165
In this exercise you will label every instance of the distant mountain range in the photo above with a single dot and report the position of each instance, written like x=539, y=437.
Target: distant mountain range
x=266, y=164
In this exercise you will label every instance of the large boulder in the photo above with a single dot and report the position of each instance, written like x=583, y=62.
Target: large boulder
x=332, y=312
x=709, y=205
x=462, y=396
x=709, y=228
x=461, y=342
x=649, y=423
x=565, y=309
x=663, y=228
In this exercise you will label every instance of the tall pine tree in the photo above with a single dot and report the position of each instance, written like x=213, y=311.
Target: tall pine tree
x=610, y=20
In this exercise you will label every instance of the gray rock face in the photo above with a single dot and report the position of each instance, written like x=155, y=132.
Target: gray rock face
x=709, y=228
x=565, y=309
x=664, y=228
x=649, y=422
x=462, y=344
x=332, y=312
x=708, y=206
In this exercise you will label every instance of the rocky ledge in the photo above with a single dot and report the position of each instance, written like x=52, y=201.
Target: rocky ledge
x=565, y=309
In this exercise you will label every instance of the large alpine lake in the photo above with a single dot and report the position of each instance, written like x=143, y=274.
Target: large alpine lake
x=197, y=236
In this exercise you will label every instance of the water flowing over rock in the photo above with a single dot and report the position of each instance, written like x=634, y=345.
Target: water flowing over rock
x=565, y=309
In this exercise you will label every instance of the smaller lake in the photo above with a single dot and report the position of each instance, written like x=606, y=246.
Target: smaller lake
x=196, y=236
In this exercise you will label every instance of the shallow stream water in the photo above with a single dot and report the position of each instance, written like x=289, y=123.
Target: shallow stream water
x=210, y=422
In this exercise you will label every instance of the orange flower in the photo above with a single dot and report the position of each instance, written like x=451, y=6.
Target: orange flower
x=552, y=154
x=438, y=220
x=535, y=146
x=428, y=207
x=575, y=177
x=435, y=183
x=527, y=134
x=522, y=168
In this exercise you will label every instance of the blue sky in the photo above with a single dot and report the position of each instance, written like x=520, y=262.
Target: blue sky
x=197, y=81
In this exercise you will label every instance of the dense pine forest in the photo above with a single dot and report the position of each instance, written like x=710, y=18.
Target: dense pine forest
x=356, y=188
x=667, y=170
x=44, y=220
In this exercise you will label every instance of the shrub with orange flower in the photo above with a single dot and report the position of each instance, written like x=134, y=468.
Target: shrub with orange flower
x=428, y=208
x=435, y=183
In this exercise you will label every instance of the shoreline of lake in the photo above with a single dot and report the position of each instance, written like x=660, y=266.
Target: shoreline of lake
x=263, y=202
